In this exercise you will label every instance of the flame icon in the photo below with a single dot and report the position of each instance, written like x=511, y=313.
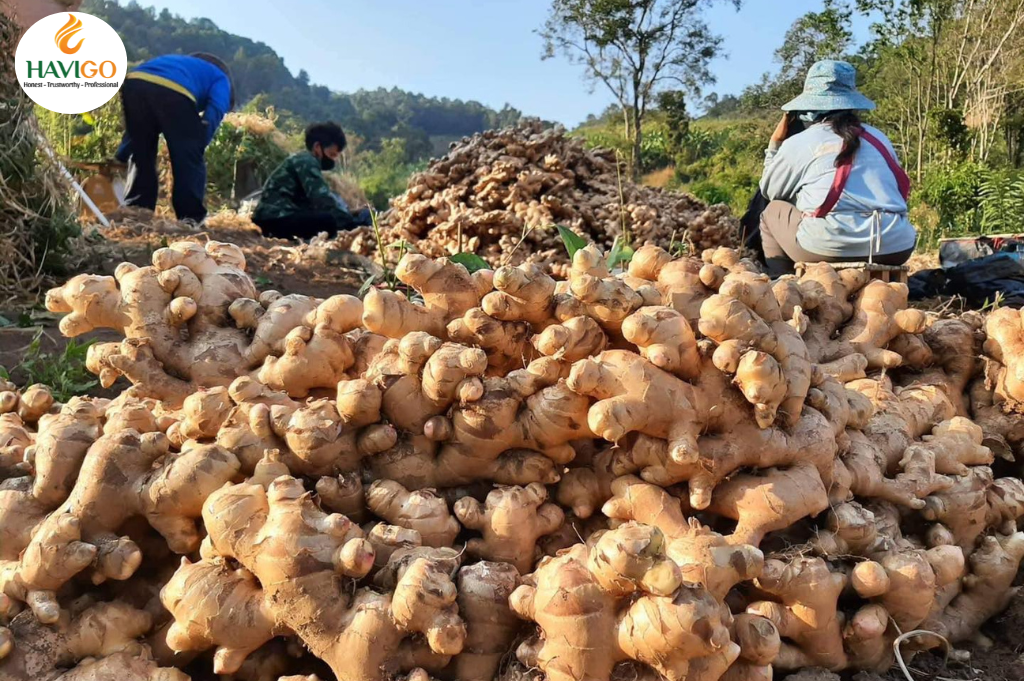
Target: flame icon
x=65, y=34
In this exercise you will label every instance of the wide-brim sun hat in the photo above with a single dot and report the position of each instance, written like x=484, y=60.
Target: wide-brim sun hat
x=830, y=86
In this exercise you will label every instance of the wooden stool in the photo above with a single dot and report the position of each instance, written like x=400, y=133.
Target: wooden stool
x=887, y=273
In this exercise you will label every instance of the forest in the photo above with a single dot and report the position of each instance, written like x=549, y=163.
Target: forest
x=426, y=124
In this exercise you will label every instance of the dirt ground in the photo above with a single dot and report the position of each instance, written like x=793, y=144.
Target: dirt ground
x=1001, y=658
x=1002, y=661
x=275, y=264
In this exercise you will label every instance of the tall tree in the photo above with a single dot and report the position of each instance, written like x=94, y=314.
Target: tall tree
x=635, y=48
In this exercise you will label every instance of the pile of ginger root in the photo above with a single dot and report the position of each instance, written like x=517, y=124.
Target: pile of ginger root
x=679, y=471
x=498, y=194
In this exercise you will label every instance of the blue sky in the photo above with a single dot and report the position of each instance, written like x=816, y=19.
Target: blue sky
x=469, y=49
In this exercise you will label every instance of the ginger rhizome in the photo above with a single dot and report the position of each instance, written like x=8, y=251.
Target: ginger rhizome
x=678, y=471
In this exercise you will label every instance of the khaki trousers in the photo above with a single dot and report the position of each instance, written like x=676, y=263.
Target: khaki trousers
x=779, y=224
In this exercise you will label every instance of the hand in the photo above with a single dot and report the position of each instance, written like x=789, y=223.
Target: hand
x=362, y=218
x=781, y=130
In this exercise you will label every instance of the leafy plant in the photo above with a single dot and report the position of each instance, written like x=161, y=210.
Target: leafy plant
x=236, y=145
x=573, y=241
x=471, y=261
x=955, y=192
x=385, y=174
x=64, y=372
x=620, y=254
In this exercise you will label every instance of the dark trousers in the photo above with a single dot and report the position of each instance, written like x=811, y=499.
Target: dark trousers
x=299, y=225
x=149, y=111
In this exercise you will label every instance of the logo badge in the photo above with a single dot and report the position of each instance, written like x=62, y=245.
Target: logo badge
x=71, y=62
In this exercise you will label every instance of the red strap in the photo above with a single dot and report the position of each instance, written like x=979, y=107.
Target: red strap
x=843, y=175
x=838, y=185
x=902, y=179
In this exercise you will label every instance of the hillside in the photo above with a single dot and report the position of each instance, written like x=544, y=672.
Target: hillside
x=426, y=124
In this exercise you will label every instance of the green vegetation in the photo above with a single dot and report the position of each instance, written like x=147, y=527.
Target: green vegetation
x=634, y=48
x=234, y=145
x=383, y=174
x=63, y=372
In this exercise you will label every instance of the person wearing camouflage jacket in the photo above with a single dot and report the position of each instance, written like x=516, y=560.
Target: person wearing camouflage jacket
x=296, y=201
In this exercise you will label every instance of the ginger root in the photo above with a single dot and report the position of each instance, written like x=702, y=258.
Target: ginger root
x=512, y=520
x=587, y=624
x=634, y=395
x=420, y=510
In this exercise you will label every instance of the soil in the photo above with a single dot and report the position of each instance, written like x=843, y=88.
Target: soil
x=999, y=658
x=1003, y=660
x=276, y=264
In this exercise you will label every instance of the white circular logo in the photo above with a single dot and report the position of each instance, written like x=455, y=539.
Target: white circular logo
x=71, y=62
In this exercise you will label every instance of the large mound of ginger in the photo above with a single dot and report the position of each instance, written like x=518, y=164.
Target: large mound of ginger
x=680, y=471
x=500, y=193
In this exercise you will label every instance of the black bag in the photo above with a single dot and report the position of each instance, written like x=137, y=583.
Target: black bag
x=927, y=284
x=984, y=280
x=751, y=224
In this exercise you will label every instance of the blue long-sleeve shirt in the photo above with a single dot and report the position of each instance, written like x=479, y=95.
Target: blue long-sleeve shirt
x=201, y=81
x=801, y=172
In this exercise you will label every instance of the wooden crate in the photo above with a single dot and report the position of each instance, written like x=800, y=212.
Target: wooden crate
x=887, y=273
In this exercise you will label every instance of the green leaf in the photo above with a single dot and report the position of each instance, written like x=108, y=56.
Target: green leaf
x=471, y=261
x=367, y=285
x=25, y=320
x=4, y=321
x=89, y=118
x=573, y=241
x=620, y=254
x=262, y=281
x=4, y=374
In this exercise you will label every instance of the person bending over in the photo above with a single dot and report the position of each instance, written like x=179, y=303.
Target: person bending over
x=184, y=98
x=296, y=201
x=837, y=191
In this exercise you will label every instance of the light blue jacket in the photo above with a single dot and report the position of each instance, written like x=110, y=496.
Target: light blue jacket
x=871, y=215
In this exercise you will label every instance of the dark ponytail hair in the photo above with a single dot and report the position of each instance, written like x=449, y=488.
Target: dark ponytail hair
x=847, y=125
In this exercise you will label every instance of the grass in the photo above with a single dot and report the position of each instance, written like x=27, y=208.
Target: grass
x=659, y=179
x=65, y=372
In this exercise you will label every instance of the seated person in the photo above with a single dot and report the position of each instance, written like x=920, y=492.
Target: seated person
x=296, y=201
x=837, y=191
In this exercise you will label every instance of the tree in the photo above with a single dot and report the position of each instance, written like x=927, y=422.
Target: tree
x=672, y=104
x=965, y=57
x=423, y=123
x=635, y=48
x=814, y=36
